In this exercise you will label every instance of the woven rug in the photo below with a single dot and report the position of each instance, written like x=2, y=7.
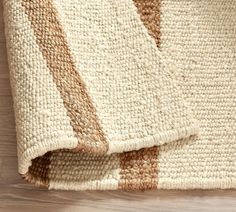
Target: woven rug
x=128, y=94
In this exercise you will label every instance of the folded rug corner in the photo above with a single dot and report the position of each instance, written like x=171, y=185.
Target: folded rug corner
x=112, y=94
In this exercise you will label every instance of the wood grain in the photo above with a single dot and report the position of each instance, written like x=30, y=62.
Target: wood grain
x=17, y=195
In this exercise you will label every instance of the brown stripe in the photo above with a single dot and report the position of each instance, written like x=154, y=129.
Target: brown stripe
x=149, y=11
x=139, y=169
x=38, y=172
x=55, y=50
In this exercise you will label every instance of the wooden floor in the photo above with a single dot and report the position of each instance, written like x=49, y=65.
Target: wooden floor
x=17, y=195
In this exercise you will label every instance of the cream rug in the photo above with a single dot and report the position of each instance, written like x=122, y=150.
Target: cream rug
x=128, y=94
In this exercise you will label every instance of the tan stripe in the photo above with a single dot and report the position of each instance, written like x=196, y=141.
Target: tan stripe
x=139, y=169
x=53, y=45
x=39, y=170
x=149, y=11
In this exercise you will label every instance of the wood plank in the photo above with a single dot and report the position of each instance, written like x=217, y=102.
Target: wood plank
x=6, y=104
x=10, y=174
x=4, y=71
x=8, y=145
x=2, y=35
x=26, y=198
x=5, y=88
x=7, y=125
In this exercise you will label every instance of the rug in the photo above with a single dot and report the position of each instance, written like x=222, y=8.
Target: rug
x=128, y=94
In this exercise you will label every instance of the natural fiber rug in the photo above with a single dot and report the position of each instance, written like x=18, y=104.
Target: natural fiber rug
x=112, y=94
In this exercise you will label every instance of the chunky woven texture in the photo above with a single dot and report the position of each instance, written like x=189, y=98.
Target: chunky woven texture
x=111, y=94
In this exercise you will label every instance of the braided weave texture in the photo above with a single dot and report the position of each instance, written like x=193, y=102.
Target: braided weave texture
x=112, y=94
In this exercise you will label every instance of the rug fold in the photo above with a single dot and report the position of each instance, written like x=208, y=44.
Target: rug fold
x=100, y=99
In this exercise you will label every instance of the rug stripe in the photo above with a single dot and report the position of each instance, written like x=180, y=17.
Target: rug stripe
x=39, y=170
x=149, y=11
x=139, y=169
x=53, y=45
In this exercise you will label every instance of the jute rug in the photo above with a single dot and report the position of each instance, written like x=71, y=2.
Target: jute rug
x=128, y=94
